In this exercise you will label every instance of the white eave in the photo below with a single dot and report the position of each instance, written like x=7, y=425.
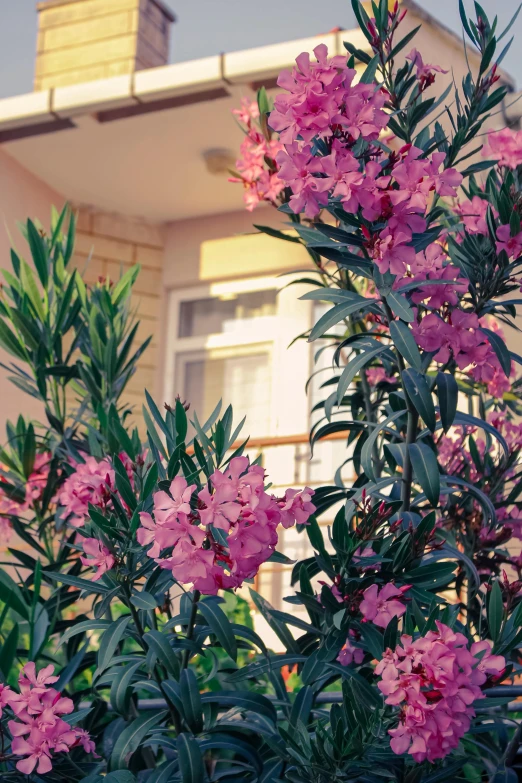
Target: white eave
x=156, y=88
x=136, y=144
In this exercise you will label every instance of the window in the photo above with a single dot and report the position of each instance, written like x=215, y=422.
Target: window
x=236, y=341
x=230, y=341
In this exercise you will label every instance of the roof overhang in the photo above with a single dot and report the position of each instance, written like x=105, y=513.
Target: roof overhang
x=135, y=144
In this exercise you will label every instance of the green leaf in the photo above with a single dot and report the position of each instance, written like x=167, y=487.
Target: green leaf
x=353, y=367
x=8, y=651
x=405, y=343
x=369, y=72
x=242, y=700
x=192, y=704
x=448, y=394
x=12, y=596
x=282, y=632
x=220, y=626
x=302, y=706
x=82, y=584
x=418, y=391
x=464, y=20
x=10, y=342
x=160, y=646
x=83, y=627
x=501, y=350
x=370, y=442
x=131, y=738
x=495, y=611
x=400, y=306
x=121, y=687
x=190, y=759
x=144, y=600
x=426, y=470
x=273, y=232
x=164, y=773
x=336, y=314
x=38, y=252
x=109, y=642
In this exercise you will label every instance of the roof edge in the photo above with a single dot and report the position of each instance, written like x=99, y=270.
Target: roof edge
x=42, y=5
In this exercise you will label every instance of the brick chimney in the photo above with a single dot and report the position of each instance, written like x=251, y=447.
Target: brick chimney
x=84, y=40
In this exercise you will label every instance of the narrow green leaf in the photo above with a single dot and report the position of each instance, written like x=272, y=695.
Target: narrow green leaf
x=109, y=642
x=220, y=626
x=192, y=704
x=405, y=343
x=448, y=394
x=495, y=611
x=160, y=646
x=132, y=737
x=419, y=393
x=190, y=759
x=426, y=470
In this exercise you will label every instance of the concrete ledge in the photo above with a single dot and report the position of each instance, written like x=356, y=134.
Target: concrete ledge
x=172, y=81
x=251, y=65
x=92, y=96
x=31, y=109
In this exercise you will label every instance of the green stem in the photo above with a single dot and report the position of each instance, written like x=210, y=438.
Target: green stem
x=176, y=718
x=190, y=627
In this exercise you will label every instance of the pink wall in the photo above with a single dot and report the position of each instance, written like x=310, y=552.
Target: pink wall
x=21, y=196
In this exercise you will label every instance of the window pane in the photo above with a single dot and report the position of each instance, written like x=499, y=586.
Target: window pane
x=213, y=316
x=243, y=381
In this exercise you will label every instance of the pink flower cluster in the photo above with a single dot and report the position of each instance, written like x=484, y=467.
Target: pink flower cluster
x=380, y=605
x=38, y=730
x=505, y=146
x=456, y=333
x=257, y=166
x=97, y=556
x=34, y=490
x=434, y=680
x=322, y=102
x=220, y=537
x=92, y=483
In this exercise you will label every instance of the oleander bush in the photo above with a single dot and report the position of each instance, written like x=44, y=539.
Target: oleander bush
x=128, y=655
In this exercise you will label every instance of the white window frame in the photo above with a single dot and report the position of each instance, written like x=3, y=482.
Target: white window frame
x=257, y=334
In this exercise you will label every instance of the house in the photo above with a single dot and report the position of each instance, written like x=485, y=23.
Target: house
x=142, y=149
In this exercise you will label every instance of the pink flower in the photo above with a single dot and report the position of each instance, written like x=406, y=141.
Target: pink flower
x=98, y=556
x=91, y=482
x=220, y=510
x=224, y=538
x=168, y=506
x=29, y=677
x=434, y=680
x=350, y=654
x=381, y=605
x=505, y=146
x=36, y=752
x=298, y=507
x=473, y=214
x=512, y=245
x=38, y=731
x=425, y=72
x=189, y=562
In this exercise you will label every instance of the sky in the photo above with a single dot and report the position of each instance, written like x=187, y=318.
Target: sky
x=207, y=27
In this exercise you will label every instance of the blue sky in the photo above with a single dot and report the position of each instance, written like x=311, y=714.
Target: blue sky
x=208, y=27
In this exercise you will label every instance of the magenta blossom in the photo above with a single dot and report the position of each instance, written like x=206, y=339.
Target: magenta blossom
x=97, y=556
x=223, y=538
x=434, y=680
x=38, y=729
x=381, y=605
